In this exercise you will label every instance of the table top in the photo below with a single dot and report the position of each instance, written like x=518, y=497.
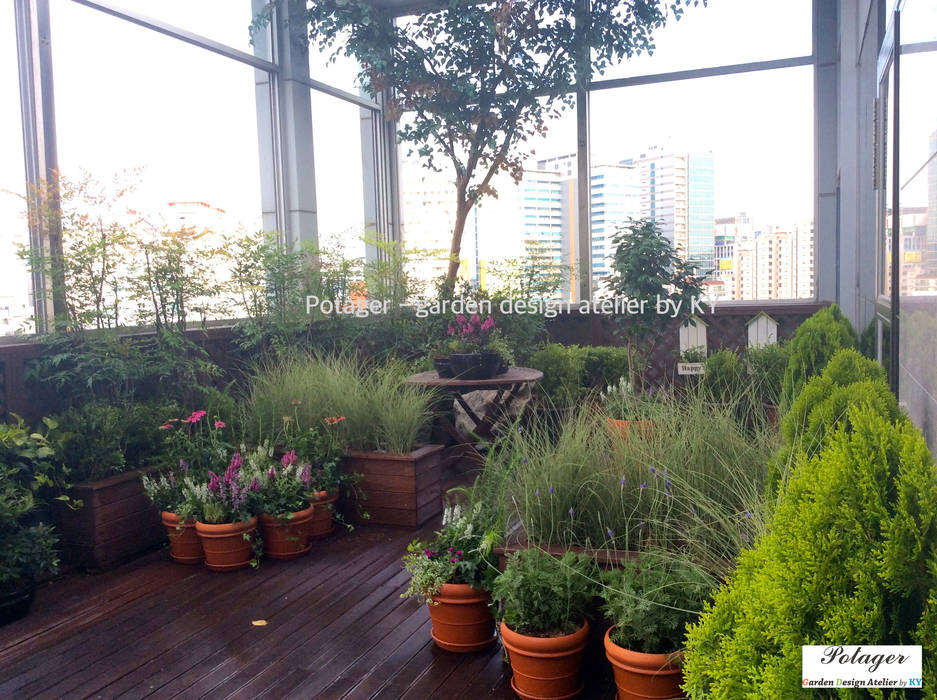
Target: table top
x=515, y=375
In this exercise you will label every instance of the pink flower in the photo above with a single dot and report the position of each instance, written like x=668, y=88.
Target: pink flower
x=306, y=474
x=220, y=424
x=196, y=416
x=460, y=319
x=289, y=458
x=272, y=474
x=255, y=485
x=488, y=324
x=166, y=426
x=214, y=481
x=476, y=318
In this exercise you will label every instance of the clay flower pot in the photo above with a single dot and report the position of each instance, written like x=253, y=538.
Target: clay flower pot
x=320, y=525
x=286, y=538
x=625, y=428
x=185, y=546
x=226, y=548
x=461, y=618
x=545, y=667
x=644, y=676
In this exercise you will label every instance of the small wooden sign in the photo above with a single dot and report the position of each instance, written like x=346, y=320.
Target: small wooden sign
x=685, y=368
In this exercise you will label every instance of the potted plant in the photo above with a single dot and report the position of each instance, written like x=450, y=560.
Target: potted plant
x=627, y=411
x=27, y=550
x=472, y=356
x=280, y=496
x=193, y=444
x=166, y=493
x=650, y=600
x=318, y=448
x=453, y=575
x=542, y=601
x=226, y=523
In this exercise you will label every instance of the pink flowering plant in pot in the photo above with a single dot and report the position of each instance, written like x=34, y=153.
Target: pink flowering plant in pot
x=197, y=442
x=476, y=347
x=225, y=510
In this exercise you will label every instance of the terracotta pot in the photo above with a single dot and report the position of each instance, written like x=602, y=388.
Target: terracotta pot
x=226, y=548
x=625, y=428
x=461, y=617
x=185, y=546
x=545, y=667
x=286, y=538
x=321, y=524
x=644, y=676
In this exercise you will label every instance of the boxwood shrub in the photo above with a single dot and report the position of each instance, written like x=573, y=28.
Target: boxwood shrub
x=849, y=557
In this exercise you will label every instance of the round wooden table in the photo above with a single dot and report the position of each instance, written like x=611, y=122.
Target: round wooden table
x=507, y=386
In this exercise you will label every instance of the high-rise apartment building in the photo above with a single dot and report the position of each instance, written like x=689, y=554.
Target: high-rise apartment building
x=677, y=191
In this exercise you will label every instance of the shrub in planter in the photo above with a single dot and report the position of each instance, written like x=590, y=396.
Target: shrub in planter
x=849, y=557
x=224, y=509
x=649, y=601
x=453, y=574
x=723, y=378
x=628, y=410
x=27, y=550
x=815, y=341
x=562, y=367
x=766, y=366
x=542, y=602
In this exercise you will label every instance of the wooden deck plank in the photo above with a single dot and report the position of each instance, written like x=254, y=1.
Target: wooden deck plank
x=336, y=628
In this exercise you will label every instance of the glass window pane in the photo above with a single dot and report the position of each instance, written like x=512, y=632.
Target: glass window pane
x=336, y=133
x=527, y=220
x=339, y=71
x=224, y=21
x=15, y=298
x=185, y=117
x=918, y=21
x=731, y=186
x=725, y=32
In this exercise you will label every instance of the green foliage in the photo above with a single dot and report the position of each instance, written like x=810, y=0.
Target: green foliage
x=693, y=483
x=723, y=379
x=28, y=459
x=27, y=550
x=814, y=343
x=651, y=598
x=622, y=402
x=462, y=552
x=99, y=439
x=646, y=268
x=198, y=442
x=570, y=371
x=766, y=366
x=868, y=342
x=278, y=488
x=379, y=410
x=848, y=558
x=472, y=83
x=545, y=596
x=318, y=447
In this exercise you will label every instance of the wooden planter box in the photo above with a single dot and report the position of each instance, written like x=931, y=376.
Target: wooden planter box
x=116, y=521
x=399, y=489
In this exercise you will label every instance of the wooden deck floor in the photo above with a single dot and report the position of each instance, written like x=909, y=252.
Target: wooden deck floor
x=336, y=628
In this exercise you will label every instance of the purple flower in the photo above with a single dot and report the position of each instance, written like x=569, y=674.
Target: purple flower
x=643, y=485
x=623, y=480
x=524, y=461
x=272, y=474
x=214, y=481
x=551, y=490
x=537, y=493
x=748, y=515
x=571, y=512
x=609, y=532
x=183, y=465
x=255, y=485
x=458, y=552
x=693, y=509
x=172, y=479
x=306, y=474
x=640, y=523
x=667, y=482
x=289, y=458
x=653, y=470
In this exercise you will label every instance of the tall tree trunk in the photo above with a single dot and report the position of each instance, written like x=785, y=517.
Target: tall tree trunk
x=455, y=250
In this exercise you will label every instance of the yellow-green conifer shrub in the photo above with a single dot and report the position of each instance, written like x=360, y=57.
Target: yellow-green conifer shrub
x=815, y=341
x=850, y=557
